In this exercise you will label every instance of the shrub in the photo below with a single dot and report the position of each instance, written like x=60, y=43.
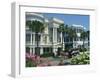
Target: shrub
x=46, y=54
x=66, y=49
x=30, y=63
x=81, y=59
x=82, y=49
x=31, y=60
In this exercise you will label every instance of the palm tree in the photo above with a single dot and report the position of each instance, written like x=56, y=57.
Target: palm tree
x=72, y=34
x=84, y=35
x=28, y=23
x=88, y=33
x=37, y=27
x=63, y=29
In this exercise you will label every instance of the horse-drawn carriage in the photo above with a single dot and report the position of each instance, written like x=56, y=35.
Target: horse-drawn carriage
x=69, y=53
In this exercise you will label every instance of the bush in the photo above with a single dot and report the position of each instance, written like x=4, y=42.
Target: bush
x=46, y=54
x=31, y=60
x=81, y=59
x=30, y=63
x=82, y=49
x=66, y=49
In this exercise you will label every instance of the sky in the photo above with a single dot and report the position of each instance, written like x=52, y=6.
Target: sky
x=70, y=19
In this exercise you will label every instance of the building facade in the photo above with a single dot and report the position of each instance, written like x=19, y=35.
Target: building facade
x=76, y=42
x=50, y=40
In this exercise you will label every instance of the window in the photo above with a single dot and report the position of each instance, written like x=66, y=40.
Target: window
x=28, y=37
x=37, y=37
x=45, y=39
x=51, y=34
x=27, y=50
x=47, y=50
x=58, y=36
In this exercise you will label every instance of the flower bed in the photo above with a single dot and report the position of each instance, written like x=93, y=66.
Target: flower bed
x=32, y=60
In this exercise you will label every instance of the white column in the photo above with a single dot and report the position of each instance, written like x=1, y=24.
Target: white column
x=48, y=40
x=33, y=50
x=53, y=36
x=56, y=35
x=41, y=50
x=62, y=41
x=41, y=39
x=30, y=50
x=63, y=46
x=61, y=37
x=53, y=41
x=31, y=39
x=55, y=51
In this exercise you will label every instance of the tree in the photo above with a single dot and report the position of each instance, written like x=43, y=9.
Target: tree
x=84, y=35
x=88, y=33
x=63, y=29
x=72, y=34
x=28, y=23
x=37, y=27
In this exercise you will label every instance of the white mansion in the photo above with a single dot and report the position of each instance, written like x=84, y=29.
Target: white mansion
x=50, y=40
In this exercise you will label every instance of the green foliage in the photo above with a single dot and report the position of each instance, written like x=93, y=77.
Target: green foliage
x=36, y=26
x=30, y=63
x=82, y=49
x=61, y=28
x=46, y=54
x=84, y=34
x=80, y=59
x=72, y=33
x=67, y=49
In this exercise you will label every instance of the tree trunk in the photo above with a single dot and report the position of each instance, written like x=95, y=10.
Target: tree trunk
x=88, y=42
x=37, y=44
x=72, y=41
x=52, y=46
x=83, y=46
x=62, y=41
